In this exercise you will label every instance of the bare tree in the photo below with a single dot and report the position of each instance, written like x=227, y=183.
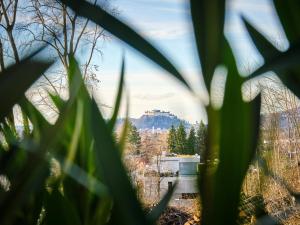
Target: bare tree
x=8, y=15
x=34, y=22
x=279, y=147
x=69, y=33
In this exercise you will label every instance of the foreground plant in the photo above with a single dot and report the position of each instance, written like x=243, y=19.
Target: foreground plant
x=79, y=161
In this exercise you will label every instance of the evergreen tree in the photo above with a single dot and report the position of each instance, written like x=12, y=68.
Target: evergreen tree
x=134, y=138
x=181, y=139
x=191, y=142
x=172, y=139
x=201, y=139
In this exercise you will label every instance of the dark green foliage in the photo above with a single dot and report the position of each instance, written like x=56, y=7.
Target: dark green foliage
x=59, y=205
x=181, y=140
x=9, y=95
x=172, y=139
x=134, y=138
x=201, y=139
x=119, y=97
x=181, y=143
x=191, y=142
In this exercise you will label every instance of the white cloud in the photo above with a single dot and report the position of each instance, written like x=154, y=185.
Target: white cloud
x=154, y=97
x=164, y=30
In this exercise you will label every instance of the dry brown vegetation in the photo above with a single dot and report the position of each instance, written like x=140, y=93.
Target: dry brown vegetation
x=279, y=151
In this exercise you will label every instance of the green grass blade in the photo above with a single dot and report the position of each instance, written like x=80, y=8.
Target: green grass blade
x=108, y=161
x=208, y=22
x=73, y=145
x=124, y=33
x=124, y=132
x=113, y=119
x=57, y=101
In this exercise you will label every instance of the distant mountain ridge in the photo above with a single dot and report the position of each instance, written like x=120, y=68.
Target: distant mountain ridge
x=157, y=119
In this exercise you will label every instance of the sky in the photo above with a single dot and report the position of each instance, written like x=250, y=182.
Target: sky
x=166, y=24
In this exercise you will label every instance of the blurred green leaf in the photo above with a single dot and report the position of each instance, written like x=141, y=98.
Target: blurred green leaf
x=124, y=132
x=156, y=212
x=124, y=33
x=57, y=101
x=265, y=48
x=16, y=79
x=35, y=170
x=281, y=61
x=113, y=119
x=108, y=161
x=288, y=12
x=239, y=123
x=206, y=177
x=9, y=133
x=208, y=22
x=285, y=64
x=83, y=178
x=73, y=145
x=38, y=121
x=26, y=181
x=59, y=210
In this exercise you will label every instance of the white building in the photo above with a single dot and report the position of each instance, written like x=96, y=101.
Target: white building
x=182, y=170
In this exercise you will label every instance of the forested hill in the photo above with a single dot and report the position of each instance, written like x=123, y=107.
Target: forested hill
x=158, y=120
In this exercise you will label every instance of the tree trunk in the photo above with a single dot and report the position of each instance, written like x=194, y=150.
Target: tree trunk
x=1, y=57
x=13, y=45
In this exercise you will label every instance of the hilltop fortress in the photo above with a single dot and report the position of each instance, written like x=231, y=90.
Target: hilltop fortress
x=157, y=112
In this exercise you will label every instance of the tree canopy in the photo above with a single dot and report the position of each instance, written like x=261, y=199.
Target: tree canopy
x=134, y=138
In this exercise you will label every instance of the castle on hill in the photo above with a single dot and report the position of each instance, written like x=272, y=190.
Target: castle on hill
x=157, y=112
